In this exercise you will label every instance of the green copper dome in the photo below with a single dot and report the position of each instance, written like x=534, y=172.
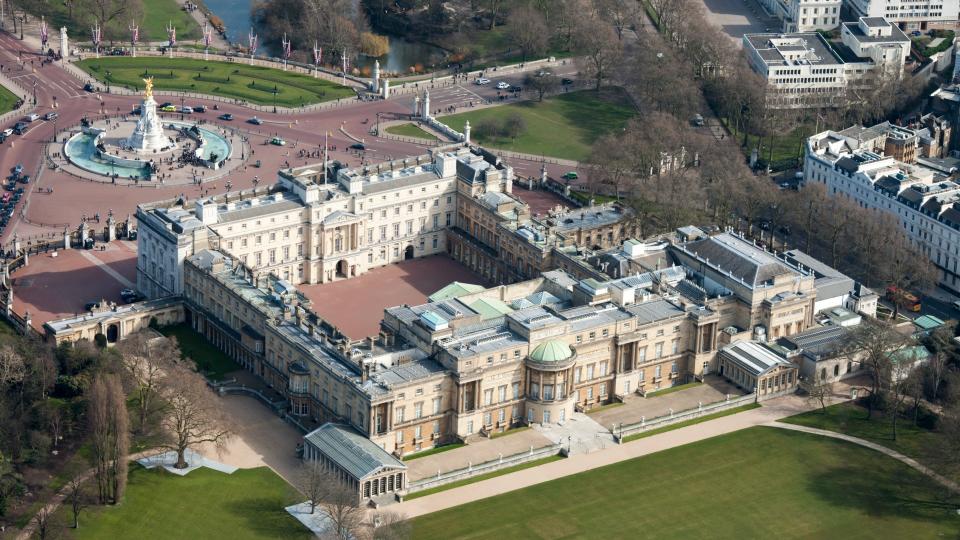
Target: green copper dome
x=551, y=351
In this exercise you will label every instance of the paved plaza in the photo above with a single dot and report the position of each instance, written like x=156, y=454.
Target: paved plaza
x=51, y=287
x=635, y=407
x=356, y=305
x=479, y=451
x=739, y=17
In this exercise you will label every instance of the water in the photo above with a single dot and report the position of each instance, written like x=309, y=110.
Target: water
x=402, y=55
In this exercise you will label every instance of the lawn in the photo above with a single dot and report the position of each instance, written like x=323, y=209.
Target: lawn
x=564, y=126
x=482, y=477
x=7, y=99
x=210, y=361
x=204, y=504
x=781, y=152
x=757, y=483
x=410, y=130
x=255, y=84
x=851, y=419
x=153, y=26
x=693, y=421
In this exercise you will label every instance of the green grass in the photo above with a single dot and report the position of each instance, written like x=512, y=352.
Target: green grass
x=432, y=451
x=480, y=478
x=756, y=483
x=156, y=15
x=781, y=151
x=7, y=99
x=254, y=84
x=510, y=431
x=410, y=130
x=672, y=389
x=851, y=419
x=564, y=126
x=205, y=504
x=210, y=361
x=694, y=421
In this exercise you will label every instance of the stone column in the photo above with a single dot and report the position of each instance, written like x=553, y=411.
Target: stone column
x=466, y=132
x=16, y=244
x=426, y=105
x=9, y=303
x=111, y=229
x=64, y=43
x=66, y=238
x=416, y=105
x=375, y=83
x=385, y=88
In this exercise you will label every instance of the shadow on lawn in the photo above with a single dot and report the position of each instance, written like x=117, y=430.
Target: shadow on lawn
x=884, y=491
x=266, y=516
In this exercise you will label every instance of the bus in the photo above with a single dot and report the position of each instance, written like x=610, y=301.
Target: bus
x=904, y=298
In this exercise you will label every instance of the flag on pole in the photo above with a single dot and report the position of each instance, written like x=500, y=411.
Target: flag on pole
x=286, y=47
x=172, y=34
x=207, y=34
x=43, y=32
x=317, y=54
x=252, y=42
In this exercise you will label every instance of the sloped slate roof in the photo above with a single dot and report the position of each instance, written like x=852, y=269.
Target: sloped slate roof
x=742, y=259
x=454, y=290
x=356, y=454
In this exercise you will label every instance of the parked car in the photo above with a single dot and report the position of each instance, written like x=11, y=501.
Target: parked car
x=571, y=175
x=255, y=121
x=956, y=305
x=7, y=132
x=32, y=117
x=17, y=169
x=88, y=87
x=21, y=127
x=502, y=85
x=186, y=110
x=697, y=120
x=278, y=141
x=566, y=81
x=168, y=108
x=226, y=116
x=200, y=108
x=544, y=73
x=482, y=81
x=2, y=137
x=25, y=179
x=50, y=116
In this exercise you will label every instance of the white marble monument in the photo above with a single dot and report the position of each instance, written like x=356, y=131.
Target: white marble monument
x=148, y=135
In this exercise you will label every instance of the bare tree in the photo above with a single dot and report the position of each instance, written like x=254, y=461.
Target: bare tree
x=77, y=498
x=314, y=483
x=109, y=428
x=871, y=344
x=527, y=30
x=494, y=6
x=819, y=391
x=543, y=84
x=12, y=367
x=147, y=359
x=620, y=13
x=43, y=521
x=337, y=500
x=191, y=415
x=599, y=48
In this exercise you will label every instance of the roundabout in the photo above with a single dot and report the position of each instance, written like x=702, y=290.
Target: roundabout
x=149, y=148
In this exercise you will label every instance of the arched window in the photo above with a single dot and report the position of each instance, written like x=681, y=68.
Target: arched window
x=823, y=374
x=849, y=367
x=836, y=370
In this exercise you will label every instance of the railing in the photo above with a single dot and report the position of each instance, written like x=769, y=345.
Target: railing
x=470, y=470
x=20, y=93
x=253, y=392
x=621, y=431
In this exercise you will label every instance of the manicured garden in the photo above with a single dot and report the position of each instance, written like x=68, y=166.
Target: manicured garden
x=563, y=126
x=410, y=130
x=203, y=504
x=757, y=483
x=916, y=441
x=7, y=100
x=255, y=84
x=210, y=360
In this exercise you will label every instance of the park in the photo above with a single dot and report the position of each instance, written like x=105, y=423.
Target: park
x=236, y=80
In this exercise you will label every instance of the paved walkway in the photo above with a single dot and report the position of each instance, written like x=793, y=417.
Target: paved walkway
x=946, y=482
x=110, y=271
x=771, y=411
x=582, y=434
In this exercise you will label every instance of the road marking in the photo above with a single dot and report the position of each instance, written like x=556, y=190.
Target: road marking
x=110, y=271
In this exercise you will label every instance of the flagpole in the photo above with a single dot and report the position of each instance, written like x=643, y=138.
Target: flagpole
x=325, y=156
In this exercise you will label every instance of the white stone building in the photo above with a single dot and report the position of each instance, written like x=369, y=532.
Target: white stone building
x=807, y=70
x=920, y=195
x=909, y=15
x=805, y=15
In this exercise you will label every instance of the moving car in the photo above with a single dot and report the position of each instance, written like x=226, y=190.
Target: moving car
x=186, y=110
x=357, y=146
x=200, y=108
x=226, y=116
x=168, y=108
x=278, y=141
x=88, y=87
x=255, y=121
x=566, y=81
x=50, y=116
x=32, y=117
x=544, y=73
x=571, y=175
x=697, y=120
x=482, y=81
x=905, y=298
x=502, y=85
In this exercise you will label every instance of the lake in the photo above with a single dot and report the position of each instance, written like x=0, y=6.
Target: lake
x=402, y=55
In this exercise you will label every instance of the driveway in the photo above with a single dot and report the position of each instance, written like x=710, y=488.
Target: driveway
x=635, y=408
